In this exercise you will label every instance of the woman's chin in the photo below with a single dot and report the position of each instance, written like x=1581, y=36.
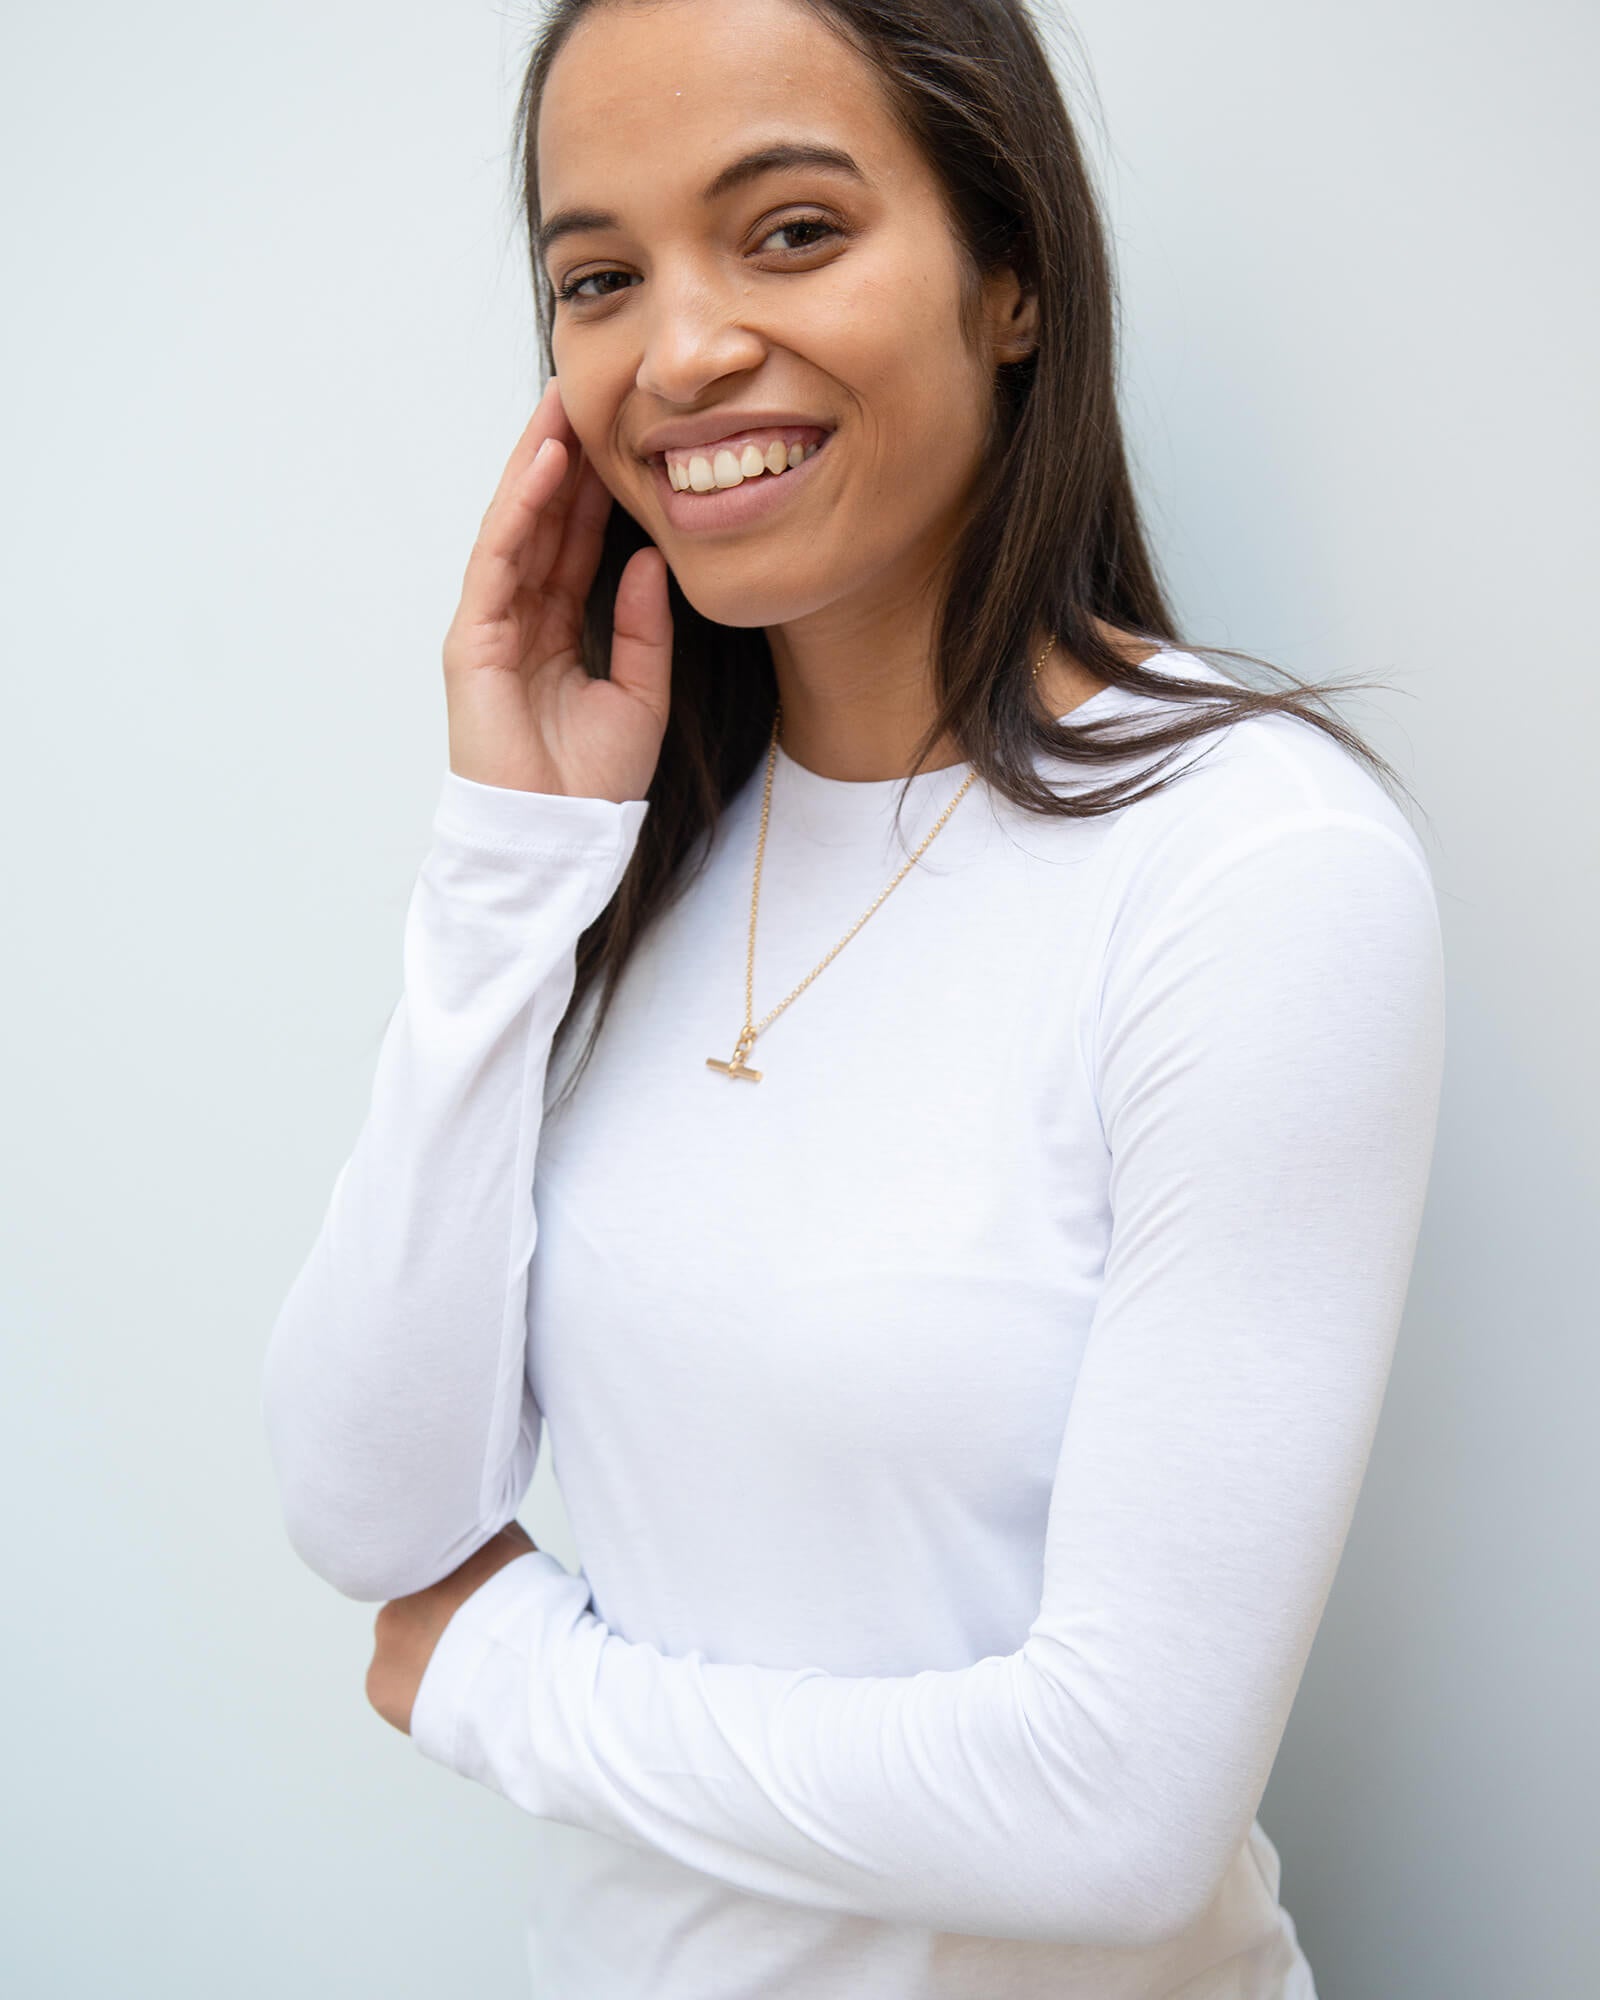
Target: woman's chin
x=770, y=594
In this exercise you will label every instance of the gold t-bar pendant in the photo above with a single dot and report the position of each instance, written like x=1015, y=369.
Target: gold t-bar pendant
x=736, y=1066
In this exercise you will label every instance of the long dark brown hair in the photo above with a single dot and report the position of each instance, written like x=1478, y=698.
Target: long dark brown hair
x=1053, y=539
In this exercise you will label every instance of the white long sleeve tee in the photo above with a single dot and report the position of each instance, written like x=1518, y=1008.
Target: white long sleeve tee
x=960, y=1426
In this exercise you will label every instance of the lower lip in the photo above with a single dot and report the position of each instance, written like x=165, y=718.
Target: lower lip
x=730, y=507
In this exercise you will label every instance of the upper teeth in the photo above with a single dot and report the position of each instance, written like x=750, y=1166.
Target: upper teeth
x=704, y=471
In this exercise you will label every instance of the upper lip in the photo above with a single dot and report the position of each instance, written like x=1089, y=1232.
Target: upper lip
x=716, y=425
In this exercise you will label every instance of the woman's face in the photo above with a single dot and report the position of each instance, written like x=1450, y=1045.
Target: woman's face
x=758, y=312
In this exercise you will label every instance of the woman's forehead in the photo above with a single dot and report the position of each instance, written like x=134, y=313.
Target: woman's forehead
x=691, y=84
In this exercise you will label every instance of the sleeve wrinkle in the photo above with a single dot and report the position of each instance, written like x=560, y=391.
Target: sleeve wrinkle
x=402, y=1427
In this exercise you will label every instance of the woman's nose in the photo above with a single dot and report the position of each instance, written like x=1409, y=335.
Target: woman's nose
x=694, y=335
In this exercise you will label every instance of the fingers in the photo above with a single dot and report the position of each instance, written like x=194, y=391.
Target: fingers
x=549, y=420
x=582, y=520
x=641, y=635
x=501, y=556
x=545, y=528
x=534, y=474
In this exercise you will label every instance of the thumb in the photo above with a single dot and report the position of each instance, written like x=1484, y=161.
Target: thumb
x=641, y=632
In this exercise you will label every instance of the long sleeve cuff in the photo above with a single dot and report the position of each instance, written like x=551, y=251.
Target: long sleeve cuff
x=485, y=1672
x=502, y=816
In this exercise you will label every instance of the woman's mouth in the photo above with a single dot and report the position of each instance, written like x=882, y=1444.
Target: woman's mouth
x=738, y=479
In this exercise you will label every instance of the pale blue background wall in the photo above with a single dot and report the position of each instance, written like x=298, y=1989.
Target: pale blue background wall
x=265, y=350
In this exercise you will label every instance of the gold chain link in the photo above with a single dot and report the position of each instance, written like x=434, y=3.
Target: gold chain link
x=736, y=1065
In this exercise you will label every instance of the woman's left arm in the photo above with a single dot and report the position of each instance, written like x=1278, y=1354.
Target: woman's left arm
x=1267, y=1051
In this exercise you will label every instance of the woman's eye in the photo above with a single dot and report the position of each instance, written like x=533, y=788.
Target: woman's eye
x=803, y=222
x=573, y=289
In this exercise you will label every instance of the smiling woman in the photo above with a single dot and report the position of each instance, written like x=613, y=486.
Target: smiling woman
x=874, y=220
x=960, y=1431
x=795, y=262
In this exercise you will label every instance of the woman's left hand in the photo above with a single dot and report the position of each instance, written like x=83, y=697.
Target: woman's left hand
x=408, y=1628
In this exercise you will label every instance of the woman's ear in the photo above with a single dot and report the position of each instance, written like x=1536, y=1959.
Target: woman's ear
x=1012, y=315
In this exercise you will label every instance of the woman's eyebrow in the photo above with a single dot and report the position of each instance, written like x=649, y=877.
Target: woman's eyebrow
x=764, y=160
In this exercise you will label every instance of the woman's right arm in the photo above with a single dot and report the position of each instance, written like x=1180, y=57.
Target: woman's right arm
x=401, y=1429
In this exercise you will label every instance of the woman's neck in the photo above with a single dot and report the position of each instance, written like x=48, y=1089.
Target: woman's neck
x=860, y=723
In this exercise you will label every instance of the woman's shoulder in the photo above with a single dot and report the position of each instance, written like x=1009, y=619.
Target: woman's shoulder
x=1248, y=770
x=1272, y=785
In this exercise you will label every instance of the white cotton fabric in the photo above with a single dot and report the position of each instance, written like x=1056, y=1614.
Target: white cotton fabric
x=960, y=1427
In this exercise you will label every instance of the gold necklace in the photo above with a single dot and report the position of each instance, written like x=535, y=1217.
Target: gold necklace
x=736, y=1065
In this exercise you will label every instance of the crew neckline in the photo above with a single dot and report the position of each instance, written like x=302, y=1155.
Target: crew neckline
x=798, y=780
